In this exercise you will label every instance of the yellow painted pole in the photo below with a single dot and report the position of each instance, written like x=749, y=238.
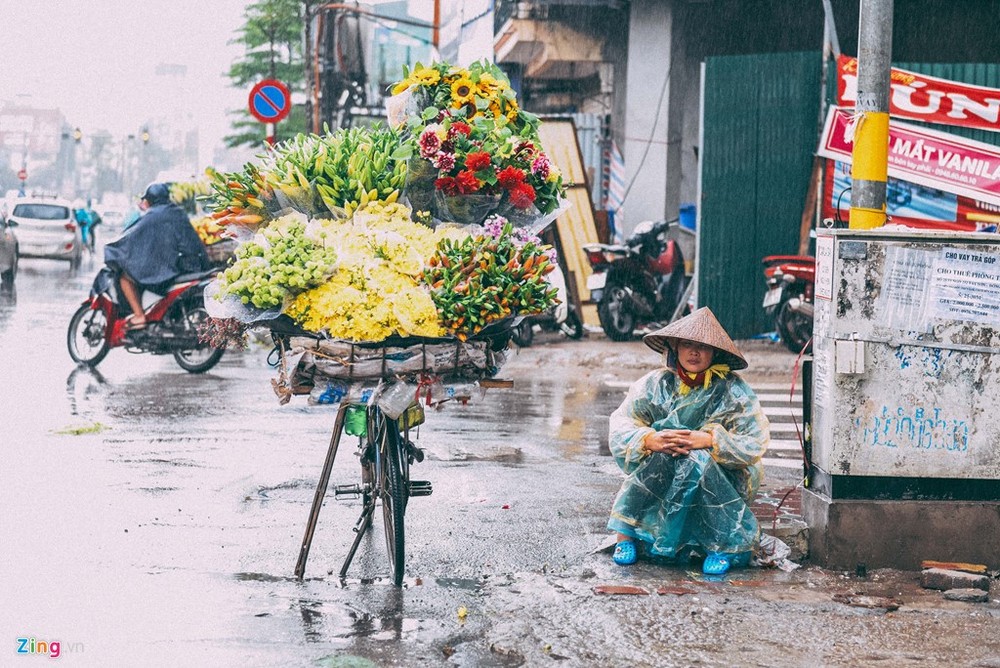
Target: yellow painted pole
x=870, y=156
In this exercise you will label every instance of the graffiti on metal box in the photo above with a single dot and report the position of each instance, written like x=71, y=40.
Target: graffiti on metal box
x=929, y=359
x=919, y=428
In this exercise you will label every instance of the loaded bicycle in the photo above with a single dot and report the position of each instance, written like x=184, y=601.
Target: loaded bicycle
x=386, y=453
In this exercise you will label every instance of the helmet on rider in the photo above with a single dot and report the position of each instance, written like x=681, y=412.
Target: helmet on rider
x=156, y=193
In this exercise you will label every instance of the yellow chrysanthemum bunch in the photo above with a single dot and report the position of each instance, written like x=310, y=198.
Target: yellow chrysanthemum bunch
x=375, y=292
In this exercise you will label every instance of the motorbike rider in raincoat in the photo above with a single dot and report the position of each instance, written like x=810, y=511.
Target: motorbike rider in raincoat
x=87, y=219
x=689, y=438
x=155, y=250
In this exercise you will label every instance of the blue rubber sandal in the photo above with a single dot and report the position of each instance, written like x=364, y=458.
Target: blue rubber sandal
x=719, y=563
x=625, y=554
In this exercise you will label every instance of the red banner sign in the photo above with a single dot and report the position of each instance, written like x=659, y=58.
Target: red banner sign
x=918, y=155
x=924, y=98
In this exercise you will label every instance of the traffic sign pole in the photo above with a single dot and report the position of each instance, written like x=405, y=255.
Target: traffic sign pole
x=269, y=133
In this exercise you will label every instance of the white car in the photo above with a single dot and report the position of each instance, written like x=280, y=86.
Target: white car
x=112, y=221
x=46, y=228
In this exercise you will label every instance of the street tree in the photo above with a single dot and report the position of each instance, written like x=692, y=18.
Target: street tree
x=273, y=40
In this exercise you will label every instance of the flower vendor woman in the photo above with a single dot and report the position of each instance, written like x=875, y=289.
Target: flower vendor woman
x=689, y=439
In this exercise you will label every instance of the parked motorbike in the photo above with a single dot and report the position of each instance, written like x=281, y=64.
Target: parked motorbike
x=638, y=282
x=789, y=298
x=172, y=323
x=562, y=317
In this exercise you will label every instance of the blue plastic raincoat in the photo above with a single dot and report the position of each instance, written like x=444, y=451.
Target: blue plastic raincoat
x=699, y=501
x=159, y=247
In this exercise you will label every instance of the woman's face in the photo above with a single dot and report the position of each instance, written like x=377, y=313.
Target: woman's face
x=694, y=357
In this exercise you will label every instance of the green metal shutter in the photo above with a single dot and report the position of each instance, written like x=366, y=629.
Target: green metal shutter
x=760, y=126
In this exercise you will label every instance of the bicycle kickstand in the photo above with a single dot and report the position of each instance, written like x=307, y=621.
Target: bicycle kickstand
x=360, y=528
x=324, y=481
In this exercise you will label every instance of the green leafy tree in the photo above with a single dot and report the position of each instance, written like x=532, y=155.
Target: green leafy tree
x=272, y=39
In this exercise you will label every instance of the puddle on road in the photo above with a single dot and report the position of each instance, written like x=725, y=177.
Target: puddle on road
x=467, y=584
x=345, y=661
x=502, y=455
x=548, y=416
x=267, y=577
x=373, y=609
x=155, y=491
x=382, y=626
x=86, y=390
x=180, y=463
x=297, y=491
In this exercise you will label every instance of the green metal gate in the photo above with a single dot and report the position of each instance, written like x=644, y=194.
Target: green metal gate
x=760, y=124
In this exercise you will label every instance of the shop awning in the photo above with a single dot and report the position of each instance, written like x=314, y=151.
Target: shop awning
x=548, y=49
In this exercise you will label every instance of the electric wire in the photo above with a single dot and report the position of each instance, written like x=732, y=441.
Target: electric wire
x=798, y=433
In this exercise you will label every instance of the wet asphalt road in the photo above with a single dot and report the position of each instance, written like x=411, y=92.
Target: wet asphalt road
x=167, y=532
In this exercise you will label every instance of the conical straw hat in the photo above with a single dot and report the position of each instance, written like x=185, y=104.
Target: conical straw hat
x=702, y=327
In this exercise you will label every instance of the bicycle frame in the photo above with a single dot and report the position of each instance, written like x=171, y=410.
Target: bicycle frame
x=381, y=447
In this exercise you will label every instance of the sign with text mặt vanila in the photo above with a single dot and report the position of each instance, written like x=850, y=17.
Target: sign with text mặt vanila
x=927, y=157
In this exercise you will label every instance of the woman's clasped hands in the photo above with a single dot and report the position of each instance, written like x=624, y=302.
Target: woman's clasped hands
x=677, y=442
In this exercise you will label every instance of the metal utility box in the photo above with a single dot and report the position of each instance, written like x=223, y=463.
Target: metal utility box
x=905, y=433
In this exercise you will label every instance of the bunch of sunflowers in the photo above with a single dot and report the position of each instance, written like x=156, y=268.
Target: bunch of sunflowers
x=481, y=90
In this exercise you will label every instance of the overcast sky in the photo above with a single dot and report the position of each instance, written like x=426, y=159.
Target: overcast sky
x=95, y=59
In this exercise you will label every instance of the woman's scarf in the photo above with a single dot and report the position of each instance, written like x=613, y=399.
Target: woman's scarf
x=703, y=379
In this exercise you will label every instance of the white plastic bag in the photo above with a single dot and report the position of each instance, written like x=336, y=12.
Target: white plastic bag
x=395, y=399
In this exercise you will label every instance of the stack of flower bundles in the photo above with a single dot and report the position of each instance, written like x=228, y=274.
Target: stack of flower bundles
x=333, y=250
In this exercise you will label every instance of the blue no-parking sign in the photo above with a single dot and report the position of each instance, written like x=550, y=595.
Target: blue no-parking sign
x=270, y=101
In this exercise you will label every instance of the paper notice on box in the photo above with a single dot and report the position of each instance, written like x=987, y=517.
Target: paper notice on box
x=824, y=268
x=904, y=287
x=965, y=285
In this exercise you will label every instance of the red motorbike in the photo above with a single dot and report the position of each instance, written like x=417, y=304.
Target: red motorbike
x=172, y=326
x=639, y=282
x=789, y=298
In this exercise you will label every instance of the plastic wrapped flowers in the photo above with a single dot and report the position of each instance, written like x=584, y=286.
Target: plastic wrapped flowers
x=318, y=175
x=376, y=292
x=379, y=274
x=478, y=152
x=372, y=234
x=483, y=279
x=279, y=261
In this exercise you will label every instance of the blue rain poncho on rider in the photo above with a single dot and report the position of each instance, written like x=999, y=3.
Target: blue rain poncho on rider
x=160, y=246
x=699, y=502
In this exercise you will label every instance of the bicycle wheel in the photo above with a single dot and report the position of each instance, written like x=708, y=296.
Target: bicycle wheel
x=393, y=492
